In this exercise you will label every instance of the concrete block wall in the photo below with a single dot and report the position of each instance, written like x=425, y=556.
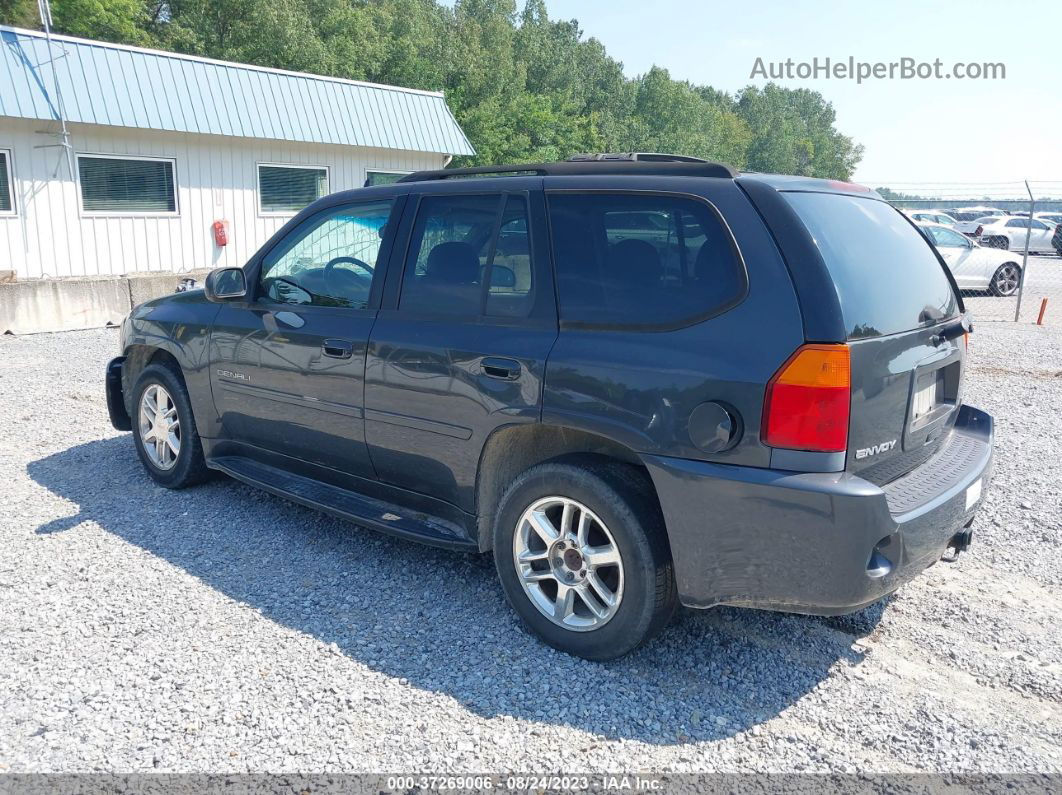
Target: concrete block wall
x=39, y=305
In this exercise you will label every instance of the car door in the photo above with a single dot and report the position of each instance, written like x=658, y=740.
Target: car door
x=288, y=365
x=1040, y=240
x=460, y=344
x=1017, y=229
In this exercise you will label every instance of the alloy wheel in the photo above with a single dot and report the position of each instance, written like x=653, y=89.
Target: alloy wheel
x=1007, y=279
x=160, y=427
x=568, y=563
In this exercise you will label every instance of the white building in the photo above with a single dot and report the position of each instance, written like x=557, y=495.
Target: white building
x=161, y=146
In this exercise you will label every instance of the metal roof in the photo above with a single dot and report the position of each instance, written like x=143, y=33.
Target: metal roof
x=113, y=84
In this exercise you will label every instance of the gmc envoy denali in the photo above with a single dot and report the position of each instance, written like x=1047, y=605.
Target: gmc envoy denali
x=640, y=380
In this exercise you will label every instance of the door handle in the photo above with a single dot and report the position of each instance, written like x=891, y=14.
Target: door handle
x=497, y=367
x=338, y=349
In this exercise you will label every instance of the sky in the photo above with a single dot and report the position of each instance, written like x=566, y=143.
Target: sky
x=914, y=131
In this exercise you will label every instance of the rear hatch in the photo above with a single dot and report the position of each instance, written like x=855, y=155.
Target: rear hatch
x=902, y=317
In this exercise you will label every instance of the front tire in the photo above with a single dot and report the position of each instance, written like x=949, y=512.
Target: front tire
x=583, y=558
x=164, y=431
x=1006, y=280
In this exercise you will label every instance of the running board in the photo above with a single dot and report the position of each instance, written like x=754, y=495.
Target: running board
x=344, y=504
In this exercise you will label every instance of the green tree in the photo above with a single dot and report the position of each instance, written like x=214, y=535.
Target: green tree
x=522, y=85
x=20, y=13
x=793, y=132
x=123, y=21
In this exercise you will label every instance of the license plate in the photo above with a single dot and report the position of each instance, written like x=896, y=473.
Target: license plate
x=973, y=494
x=925, y=399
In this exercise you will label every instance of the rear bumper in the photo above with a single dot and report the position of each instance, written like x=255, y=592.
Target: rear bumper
x=820, y=543
x=115, y=398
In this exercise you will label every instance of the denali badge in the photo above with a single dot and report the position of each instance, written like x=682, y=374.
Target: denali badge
x=230, y=374
x=863, y=452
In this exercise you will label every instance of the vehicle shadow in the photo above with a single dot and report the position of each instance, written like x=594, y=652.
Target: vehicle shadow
x=438, y=618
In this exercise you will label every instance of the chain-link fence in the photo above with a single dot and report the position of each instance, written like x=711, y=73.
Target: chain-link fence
x=1002, y=241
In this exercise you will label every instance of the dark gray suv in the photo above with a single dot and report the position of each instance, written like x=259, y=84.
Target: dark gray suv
x=639, y=382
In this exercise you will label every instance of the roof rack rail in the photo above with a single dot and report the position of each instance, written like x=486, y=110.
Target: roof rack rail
x=632, y=163
x=642, y=157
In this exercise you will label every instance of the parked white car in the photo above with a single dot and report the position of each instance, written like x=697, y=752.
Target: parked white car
x=1010, y=232
x=1049, y=218
x=975, y=212
x=931, y=217
x=968, y=220
x=974, y=266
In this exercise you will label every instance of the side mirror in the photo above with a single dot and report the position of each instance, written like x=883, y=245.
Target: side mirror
x=502, y=277
x=225, y=284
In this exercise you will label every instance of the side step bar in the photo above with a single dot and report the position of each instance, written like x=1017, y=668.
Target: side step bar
x=345, y=504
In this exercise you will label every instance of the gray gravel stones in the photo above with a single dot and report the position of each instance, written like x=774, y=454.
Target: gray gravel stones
x=220, y=629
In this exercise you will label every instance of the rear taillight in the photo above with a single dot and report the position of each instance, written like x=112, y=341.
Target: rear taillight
x=808, y=401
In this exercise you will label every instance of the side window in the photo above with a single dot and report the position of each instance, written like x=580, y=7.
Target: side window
x=945, y=237
x=465, y=260
x=1038, y=225
x=1020, y=223
x=329, y=262
x=641, y=260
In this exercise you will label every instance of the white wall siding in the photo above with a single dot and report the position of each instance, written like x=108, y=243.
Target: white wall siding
x=217, y=179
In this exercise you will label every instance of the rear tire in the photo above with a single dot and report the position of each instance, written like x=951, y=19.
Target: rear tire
x=563, y=584
x=164, y=431
x=1006, y=280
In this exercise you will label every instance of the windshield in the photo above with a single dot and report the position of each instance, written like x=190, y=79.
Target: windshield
x=887, y=275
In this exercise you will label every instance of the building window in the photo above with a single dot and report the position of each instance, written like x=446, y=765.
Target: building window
x=127, y=185
x=287, y=189
x=7, y=184
x=383, y=177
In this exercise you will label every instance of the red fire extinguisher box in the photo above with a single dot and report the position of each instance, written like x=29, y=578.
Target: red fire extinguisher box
x=221, y=233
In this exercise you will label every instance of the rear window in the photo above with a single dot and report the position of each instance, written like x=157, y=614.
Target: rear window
x=887, y=276
x=642, y=260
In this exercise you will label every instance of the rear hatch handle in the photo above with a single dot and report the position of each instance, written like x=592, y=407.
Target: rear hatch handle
x=952, y=331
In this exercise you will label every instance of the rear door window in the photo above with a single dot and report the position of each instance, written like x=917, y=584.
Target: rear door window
x=887, y=276
x=642, y=260
x=470, y=256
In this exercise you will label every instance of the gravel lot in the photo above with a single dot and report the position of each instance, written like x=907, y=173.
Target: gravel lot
x=221, y=629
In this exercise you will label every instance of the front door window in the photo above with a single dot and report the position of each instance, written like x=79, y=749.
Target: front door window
x=330, y=261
